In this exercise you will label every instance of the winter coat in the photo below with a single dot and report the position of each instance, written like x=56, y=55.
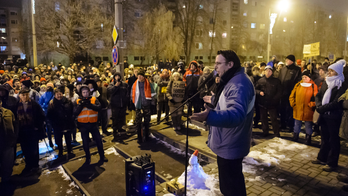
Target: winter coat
x=60, y=114
x=191, y=80
x=79, y=107
x=8, y=132
x=202, y=78
x=118, y=96
x=162, y=89
x=45, y=100
x=300, y=101
x=333, y=109
x=344, y=122
x=289, y=76
x=36, y=130
x=103, y=97
x=175, y=91
x=231, y=120
x=272, y=90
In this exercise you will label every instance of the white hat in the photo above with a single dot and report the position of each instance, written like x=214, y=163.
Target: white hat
x=280, y=63
x=269, y=67
x=338, y=67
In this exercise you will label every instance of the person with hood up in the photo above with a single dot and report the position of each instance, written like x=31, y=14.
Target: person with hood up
x=289, y=76
x=44, y=102
x=302, y=100
x=60, y=115
x=118, y=97
x=162, y=100
x=30, y=118
x=86, y=110
x=141, y=95
x=191, y=78
x=268, y=92
x=175, y=94
x=330, y=109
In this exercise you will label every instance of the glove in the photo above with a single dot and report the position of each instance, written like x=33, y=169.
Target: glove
x=172, y=100
x=320, y=109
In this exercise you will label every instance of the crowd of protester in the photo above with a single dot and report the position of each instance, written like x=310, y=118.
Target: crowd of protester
x=312, y=94
x=52, y=101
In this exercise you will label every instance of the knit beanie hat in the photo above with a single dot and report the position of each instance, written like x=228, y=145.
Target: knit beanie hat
x=50, y=84
x=338, y=67
x=141, y=72
x=306, y=72
x=291, y=58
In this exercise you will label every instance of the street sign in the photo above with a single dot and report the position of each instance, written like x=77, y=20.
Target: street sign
x=115, y=55
x=310, y=50
x=114, y=35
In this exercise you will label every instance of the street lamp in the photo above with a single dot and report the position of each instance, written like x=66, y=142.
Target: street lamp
x=283, y=5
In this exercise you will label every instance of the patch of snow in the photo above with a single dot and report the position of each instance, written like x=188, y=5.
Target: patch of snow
x=192, y=126
x=171, y=148
x=44, y=146
x=51, y=157
x=212, y=188
x=257, y=178
x=63, y=173
x=69, y=191
x=111, y=150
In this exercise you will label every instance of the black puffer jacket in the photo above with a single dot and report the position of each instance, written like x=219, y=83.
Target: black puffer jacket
x=333, y=109
x=289, y=76
x=60, y=114
x=272, y=89
x=118, y=96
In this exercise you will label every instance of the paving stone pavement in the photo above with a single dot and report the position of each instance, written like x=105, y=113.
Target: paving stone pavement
x=282, y=167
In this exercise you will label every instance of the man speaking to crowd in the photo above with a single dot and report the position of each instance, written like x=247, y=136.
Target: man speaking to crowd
x=230, y=121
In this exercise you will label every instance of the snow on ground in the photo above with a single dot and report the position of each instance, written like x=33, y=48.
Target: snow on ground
x=66, y=177
x=192, y=126
x=111, y=150
x=44, y=146
x=271, y=155
x=171, y=148
x=212, y=184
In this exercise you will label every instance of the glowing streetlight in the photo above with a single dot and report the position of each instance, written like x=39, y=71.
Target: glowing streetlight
x=283, y=5
x=330, y=16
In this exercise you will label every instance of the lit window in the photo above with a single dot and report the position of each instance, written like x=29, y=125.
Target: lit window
x=253, y=25
x=199, y=46
x=245, y=2
x=3, y=48
x=245, y=13
x=57, y=6
x=57, y=44
x=262, y=26
x=285, y=19
x=2, y=30
x=330, y=16
x=224, y=35
x=211, y=34
x=200, y=6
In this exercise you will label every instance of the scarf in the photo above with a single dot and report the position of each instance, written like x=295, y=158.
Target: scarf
x=136, y=93
x=25, y=117
x=332, y=82
x=224, y=80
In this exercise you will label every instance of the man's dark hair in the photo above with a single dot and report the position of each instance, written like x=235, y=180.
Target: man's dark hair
x=200, y=62
x=230, y=55
x=326, y=58
x=263, y=64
